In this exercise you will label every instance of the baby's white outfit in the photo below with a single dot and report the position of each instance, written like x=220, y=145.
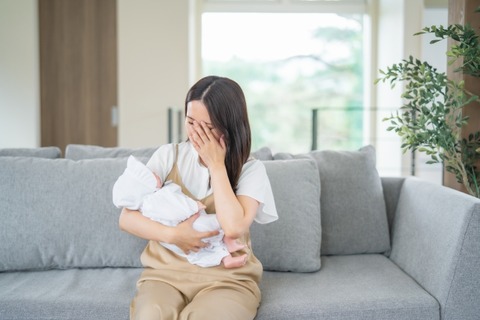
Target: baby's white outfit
x=136, y=189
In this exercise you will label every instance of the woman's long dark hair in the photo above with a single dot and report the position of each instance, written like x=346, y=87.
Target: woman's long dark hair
x=227, y=108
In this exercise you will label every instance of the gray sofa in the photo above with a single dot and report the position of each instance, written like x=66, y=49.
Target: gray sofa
x=348, y=245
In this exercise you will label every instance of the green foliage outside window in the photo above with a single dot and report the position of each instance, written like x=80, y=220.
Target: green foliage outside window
x=282, y=94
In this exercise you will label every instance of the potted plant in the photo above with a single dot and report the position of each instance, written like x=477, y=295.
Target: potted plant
x=430, y=119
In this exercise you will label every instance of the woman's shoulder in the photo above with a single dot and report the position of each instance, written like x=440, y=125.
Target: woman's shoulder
x=162, y=159
x=184, y=147
x=254, y=183
x=162, y=151
x=253, y=164
x=254, y=168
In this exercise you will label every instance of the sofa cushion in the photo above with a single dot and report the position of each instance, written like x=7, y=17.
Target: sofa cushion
x=42, y=152
x=292, y=243
x=74, y=294
x=80, y=151
x=354, y=218
x=59, y=214
x=263, y=153
x=354, y=287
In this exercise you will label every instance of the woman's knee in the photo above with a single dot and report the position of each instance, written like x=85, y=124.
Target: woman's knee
x=156, y=301
x=221, y=304
x=149, y=311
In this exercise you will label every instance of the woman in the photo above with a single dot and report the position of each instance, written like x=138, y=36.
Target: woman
x=214, y=167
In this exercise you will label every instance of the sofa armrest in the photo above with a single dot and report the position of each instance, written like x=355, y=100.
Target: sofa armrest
x=436, y=240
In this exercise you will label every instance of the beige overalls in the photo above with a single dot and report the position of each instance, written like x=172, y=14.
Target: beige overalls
x=172, y=288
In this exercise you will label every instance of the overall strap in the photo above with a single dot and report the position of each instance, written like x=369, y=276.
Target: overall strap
x=175, y=177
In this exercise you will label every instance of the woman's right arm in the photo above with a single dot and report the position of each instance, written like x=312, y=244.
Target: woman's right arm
x=183, y=235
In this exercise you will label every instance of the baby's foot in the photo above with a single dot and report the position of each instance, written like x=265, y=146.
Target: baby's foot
x=233, y=245
x=234, y=262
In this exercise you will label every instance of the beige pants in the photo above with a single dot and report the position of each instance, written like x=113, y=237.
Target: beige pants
x=158, y=300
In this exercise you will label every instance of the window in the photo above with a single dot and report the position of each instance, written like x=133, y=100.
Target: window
x=292, y=65
x=300, y=59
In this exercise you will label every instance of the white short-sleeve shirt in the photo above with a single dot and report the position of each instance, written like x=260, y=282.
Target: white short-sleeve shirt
x=253, y=180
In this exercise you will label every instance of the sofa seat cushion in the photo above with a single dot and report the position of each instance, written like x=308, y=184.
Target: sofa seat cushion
x=367, y=286
x=68, y=294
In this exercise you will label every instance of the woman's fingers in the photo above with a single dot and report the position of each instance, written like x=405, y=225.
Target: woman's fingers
x=194, y=138
x=194, y=242
x=200, y=134
x=206, y=130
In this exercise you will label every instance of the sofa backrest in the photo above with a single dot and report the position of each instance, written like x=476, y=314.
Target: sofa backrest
x=82, y=152
x=41, y=152
x=58, y=213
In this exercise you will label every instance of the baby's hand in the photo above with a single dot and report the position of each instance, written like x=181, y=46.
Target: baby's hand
x=201, y=206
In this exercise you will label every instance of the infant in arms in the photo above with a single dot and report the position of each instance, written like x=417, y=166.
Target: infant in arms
x=138, y=188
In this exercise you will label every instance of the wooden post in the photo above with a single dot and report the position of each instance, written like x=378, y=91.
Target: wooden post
x=463, y=12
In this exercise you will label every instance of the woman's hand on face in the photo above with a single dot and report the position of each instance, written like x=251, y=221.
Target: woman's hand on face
x=209, y=145
x=190, y=240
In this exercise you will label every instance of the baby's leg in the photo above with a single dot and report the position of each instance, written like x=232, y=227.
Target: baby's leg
x=233, y=244
x=234, y=262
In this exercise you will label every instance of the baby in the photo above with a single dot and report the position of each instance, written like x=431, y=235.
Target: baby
x=138, y=188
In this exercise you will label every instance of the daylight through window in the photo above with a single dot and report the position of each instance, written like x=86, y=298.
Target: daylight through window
x=288, y=65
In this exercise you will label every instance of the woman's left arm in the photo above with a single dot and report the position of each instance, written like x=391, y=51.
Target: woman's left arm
x=234, y=213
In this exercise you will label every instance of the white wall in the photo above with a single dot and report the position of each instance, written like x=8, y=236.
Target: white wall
x=434, y=54
x=19, y=76
x=153, y=67
x=398, y=20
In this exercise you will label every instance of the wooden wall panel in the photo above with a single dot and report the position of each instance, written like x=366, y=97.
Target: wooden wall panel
x=78, y=71
x=462, y=12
